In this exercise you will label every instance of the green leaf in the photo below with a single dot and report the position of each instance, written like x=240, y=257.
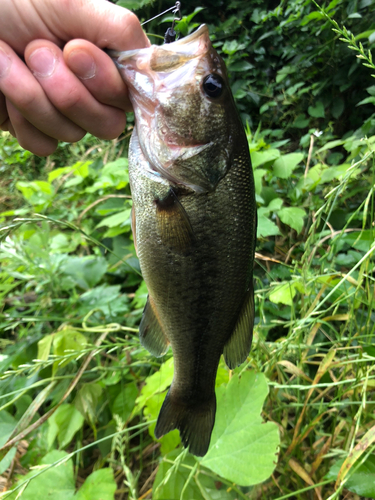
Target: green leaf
x=261, y=157
x=156, y=383
x=7, y=425
x=243, y=448
x=331, y=145
x=64, y=424
x=293, y=217
x=86, y=272
x=44, y=347
x=241, y=66
x=258, y=176
x=56, y=482
x=283, y=293
x=301, y=121
x=266, y=227
x=361, y=481
x=87, y=400
x=116, y=220
x=67, y=340
x=124, y=403
x=285, y=165
x=316, y=111
x=100, y=485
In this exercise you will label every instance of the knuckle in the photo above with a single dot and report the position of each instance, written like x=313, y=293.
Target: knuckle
x=69, y=102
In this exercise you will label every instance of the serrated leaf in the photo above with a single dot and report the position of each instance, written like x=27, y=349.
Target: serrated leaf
x=243, y=448
x=266, y=227
x=100, y=485
x=284, y=166
x=293, y=217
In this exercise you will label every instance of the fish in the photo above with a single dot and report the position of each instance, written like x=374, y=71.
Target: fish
x=194, y=223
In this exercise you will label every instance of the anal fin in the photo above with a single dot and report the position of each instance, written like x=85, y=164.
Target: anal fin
x=238, y=346
x=173, y=223
x=151, y=333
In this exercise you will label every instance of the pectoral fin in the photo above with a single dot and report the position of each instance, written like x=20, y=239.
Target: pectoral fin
x=173, y=223
x=151, y=333
x=238, y=346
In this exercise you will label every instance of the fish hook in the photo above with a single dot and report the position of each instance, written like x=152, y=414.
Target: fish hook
x=170, y=34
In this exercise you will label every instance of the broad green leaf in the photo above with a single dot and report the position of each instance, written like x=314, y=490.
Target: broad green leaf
x=361, y=481
x=293, y=217
x=241, y=66
x=64, y=424
x=85, y=271
x=56, y=482
x=113, y=175
x=58, y=172
x=331, y=145
x=284, y=166
x=116, y=219
x=261, y=157
x=283, y=293
x=124, y=403
x=44, y=347
x=266, y=227
x=243, y=448
x=258, y=176
x=100, y=485
x=316, y=111
x=81, y=168
x=301, y=121
x=87, y=400
x=156, y=383
x=67, y=340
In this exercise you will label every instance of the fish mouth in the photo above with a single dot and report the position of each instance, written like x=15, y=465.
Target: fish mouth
x=200, y=35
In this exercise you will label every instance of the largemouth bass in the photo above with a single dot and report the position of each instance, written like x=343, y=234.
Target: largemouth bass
x=194, y=223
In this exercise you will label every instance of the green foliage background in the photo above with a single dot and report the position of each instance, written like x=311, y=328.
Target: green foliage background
x=79, y=396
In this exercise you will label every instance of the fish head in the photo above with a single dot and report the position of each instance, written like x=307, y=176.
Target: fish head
x=186, y=118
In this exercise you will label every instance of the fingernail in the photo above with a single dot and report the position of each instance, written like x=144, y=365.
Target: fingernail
x=82, y=64
x=4, y=63
x=42, y=62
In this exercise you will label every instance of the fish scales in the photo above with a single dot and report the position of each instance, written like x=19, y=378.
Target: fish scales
x=194, y=223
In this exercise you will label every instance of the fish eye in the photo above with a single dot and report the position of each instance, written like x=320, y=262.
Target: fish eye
x=213, y=85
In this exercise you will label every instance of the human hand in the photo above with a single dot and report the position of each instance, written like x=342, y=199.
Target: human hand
x=67, y=85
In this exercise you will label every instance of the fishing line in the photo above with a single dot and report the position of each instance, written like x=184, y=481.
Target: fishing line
x=170, y=34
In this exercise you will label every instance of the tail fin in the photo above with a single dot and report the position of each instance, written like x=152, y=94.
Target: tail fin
x=195, y=423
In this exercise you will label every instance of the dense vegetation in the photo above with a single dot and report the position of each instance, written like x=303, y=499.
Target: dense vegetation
x=76, y=387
